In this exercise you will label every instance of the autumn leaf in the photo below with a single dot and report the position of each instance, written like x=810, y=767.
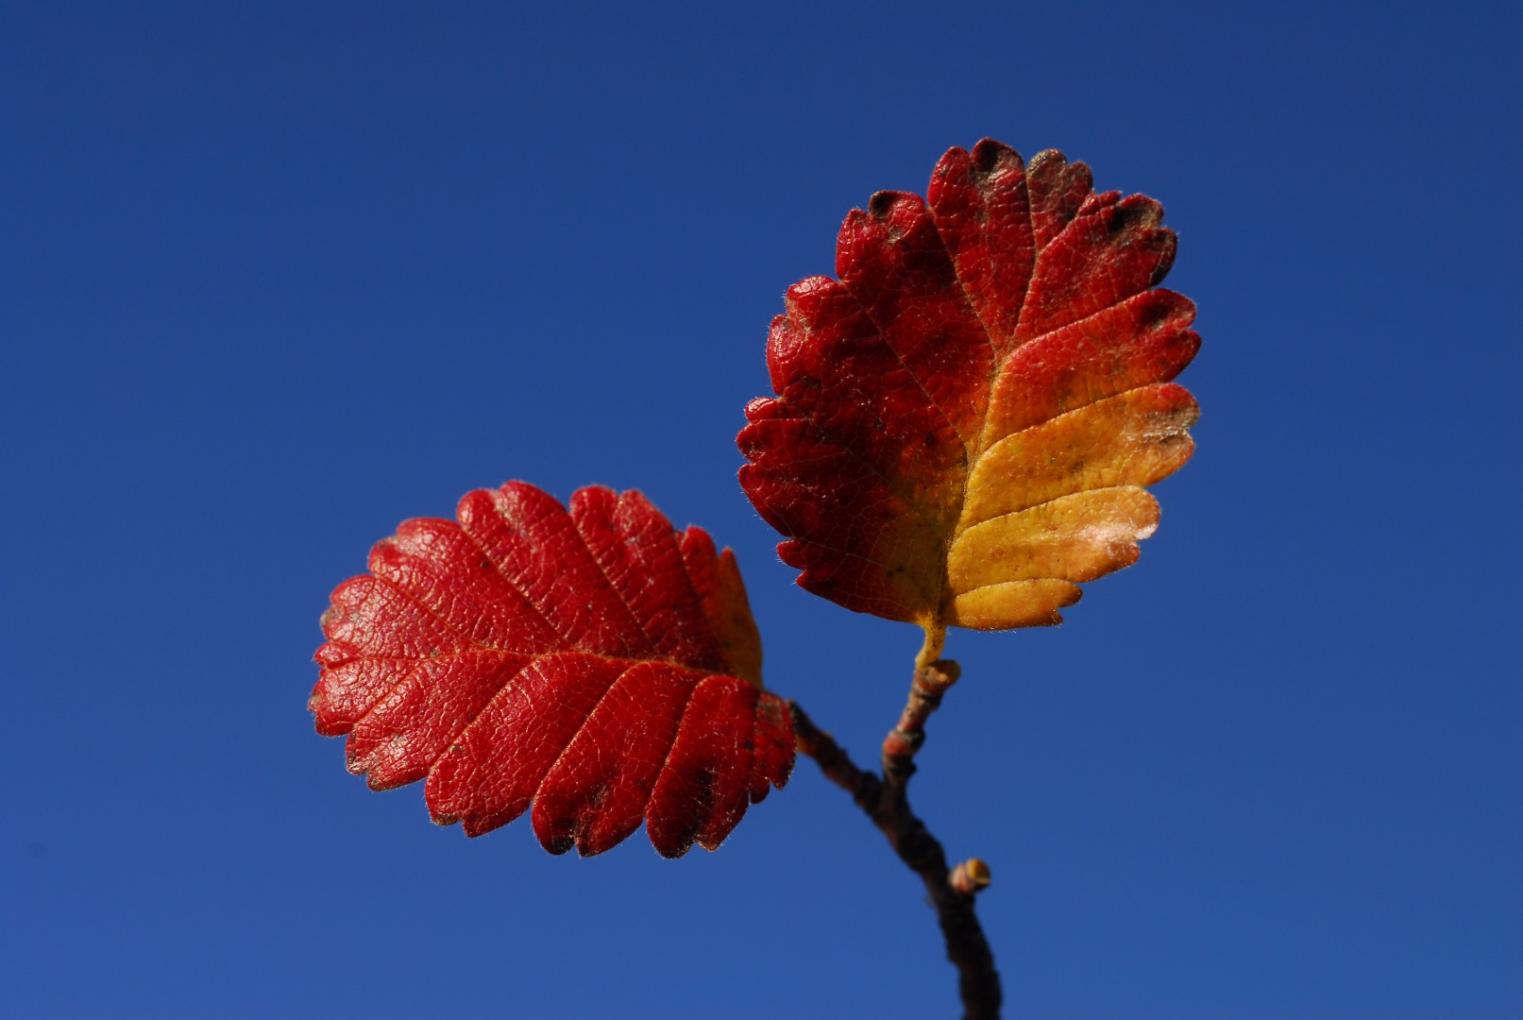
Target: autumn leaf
x=966, y=419
x=595, y=663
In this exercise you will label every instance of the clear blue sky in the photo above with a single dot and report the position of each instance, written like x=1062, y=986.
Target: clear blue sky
x=275, y=276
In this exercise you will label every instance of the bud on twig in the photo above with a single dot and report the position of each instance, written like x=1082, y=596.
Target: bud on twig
x=971, y=877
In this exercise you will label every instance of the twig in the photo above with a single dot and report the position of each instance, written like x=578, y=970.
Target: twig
x=884, y=798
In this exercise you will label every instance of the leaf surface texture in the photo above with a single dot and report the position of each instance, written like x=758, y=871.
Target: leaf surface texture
x=965, y=419
x=592, y=666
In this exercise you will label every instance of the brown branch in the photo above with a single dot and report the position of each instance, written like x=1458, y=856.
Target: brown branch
x=884, y=798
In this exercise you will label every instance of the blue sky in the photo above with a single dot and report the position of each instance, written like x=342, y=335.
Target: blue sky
x=278, y=276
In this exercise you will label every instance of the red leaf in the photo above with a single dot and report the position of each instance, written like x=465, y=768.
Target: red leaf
x=595, y=664
x=965, y=420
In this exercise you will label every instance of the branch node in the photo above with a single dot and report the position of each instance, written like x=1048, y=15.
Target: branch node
x=935, y=678
x=899, y=744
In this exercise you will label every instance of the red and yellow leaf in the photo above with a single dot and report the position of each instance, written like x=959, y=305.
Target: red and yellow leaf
x=965, y=421
x=595, y=664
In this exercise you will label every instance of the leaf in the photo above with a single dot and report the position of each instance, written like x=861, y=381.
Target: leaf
x=965, y=419
x=596, y=664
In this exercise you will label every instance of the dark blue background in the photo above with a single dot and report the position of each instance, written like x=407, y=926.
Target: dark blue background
x=277, y=276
